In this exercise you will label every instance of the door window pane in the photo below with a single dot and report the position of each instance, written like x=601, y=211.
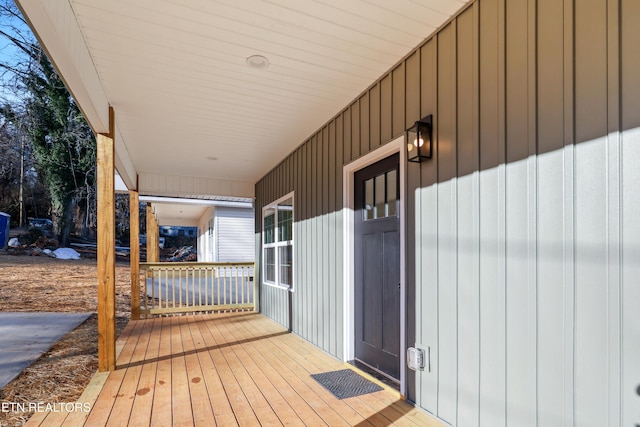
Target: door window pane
x=381, y=196
x=380, y=211
x=392, y=197
x=368, y=199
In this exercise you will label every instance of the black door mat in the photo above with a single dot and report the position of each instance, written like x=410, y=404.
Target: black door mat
x=345, y=383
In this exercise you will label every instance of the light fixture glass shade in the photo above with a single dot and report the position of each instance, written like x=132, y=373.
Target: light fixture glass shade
x=419, y=140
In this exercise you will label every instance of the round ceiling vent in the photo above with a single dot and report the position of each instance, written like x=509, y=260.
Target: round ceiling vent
x=257, y=61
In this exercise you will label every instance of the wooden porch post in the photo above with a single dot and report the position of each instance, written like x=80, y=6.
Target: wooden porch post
x=149, y=220
x=134, y=253
x=152, y=235
x=156, y=239
x=106, y=249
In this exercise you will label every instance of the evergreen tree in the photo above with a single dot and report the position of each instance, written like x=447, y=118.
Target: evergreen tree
x=63, y=144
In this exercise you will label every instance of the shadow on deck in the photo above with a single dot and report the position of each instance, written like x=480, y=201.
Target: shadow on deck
x=223, y=369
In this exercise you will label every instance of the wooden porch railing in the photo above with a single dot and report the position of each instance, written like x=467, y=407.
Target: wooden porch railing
x=187, y=287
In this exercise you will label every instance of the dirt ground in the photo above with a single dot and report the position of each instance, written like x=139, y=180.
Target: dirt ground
x=40, y=283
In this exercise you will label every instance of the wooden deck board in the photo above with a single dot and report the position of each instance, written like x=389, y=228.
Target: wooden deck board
x=225, y=369
x=218, y=398
x=312, y=409
x=121, y=411
x=143, y=399
x=268, y=381
x=161, y=406
x=237, y=398
x=200, y=404
x=101, y=409
x=180, y=393
x=315, y=395
x=254, y=395
x=89, y=395
x=300, y=353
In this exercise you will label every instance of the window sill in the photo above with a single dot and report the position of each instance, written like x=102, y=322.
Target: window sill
x=283, y=287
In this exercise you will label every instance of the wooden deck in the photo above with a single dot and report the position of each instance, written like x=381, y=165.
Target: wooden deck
x=226, y=370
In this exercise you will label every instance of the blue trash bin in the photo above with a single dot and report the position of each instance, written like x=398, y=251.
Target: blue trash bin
x=4, y=229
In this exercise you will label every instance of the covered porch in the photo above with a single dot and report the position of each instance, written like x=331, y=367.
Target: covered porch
x=224, y=369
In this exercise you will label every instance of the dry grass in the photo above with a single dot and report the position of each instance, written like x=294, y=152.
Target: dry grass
x=45, y=284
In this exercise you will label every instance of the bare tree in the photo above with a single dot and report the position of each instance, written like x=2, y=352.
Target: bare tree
x=39, y=106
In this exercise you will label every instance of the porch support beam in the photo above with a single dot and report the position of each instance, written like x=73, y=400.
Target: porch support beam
x=152, y=236
x=106, y=249
x=156, y=238
x=134, y=252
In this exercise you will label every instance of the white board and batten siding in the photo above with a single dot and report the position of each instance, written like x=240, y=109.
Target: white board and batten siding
x=525, y=233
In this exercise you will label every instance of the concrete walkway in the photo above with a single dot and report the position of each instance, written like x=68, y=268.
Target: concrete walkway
x=25, y=336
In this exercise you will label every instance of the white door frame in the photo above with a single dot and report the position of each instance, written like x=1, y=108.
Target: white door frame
x=396, y=146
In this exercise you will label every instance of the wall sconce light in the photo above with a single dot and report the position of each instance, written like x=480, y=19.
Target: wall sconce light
x=419, y=140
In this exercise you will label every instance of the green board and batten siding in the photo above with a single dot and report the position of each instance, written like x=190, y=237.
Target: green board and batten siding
x=317, y=297
x=523, y=231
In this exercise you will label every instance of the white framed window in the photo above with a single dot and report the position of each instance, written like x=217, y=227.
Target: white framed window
x=277, y=243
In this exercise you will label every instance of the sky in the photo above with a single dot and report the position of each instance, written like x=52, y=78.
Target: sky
x=9, y=54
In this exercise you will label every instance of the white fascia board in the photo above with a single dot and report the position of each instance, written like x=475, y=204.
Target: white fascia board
x=56, y=28
x=182, y=201
x=123, y=162
x=167, y=185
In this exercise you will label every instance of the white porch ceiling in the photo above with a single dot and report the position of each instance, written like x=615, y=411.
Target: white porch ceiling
x=187, y=104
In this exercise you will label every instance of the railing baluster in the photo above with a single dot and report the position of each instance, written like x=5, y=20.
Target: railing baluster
x=157, y=274
x=193, y=287
x=161, y=292
x=165, y=271
x=143, y=289
x=245, y=284
x=180, y=271
x=184, y=282
x=221, y=285
x=176, y=297
x=218, y=283
x=192, y=274
x=241, y=284
x=209, y=272
x=167, y=284
x=184, y=290
x=226, y=294
x=235, y=283
x=199, y=288
x=153, y=286
x=162, y=286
